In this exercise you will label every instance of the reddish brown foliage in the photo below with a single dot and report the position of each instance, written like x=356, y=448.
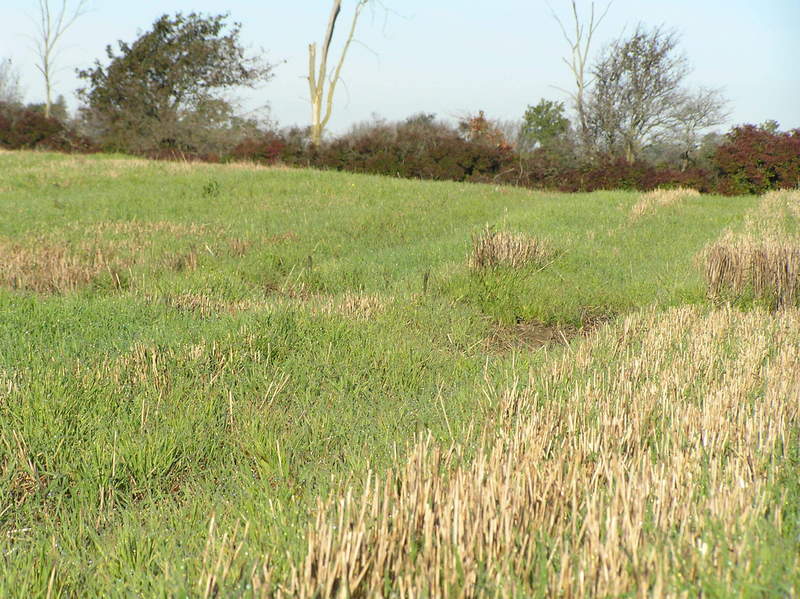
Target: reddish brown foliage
x=755, y=160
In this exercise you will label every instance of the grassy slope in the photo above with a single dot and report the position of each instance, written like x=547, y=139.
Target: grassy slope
x=236, y=379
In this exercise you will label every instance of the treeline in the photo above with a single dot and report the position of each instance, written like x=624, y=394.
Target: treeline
x=749, y=159
x=637, y=126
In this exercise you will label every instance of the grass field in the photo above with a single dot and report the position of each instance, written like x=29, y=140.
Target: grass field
x=224, y=380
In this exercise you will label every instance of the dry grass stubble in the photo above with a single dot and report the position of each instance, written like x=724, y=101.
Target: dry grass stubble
x=764, y=260
x=640, y=479
x=55, y=268
x=651, y=200
x=358, y=306
x=501, y=248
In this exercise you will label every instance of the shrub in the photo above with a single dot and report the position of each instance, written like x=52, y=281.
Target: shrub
x=26, y=128
x=754, y=160
x=419, y=147
x=290, y=146
x=546, y=170
x=266, y=149
x=478, y=129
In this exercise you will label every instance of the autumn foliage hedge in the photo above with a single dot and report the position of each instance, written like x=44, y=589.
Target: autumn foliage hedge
x=754, y=160
x=751, y=160
x=416, y=148
x=25, y=128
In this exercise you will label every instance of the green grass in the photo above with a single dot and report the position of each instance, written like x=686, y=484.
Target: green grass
x=130, y=416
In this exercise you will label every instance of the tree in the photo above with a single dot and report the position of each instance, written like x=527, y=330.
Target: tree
x=10, y=92
x=58, y=109
x=771, y=126
x=638, y=97
x=580, y=42
x=51, y=26
x=544, y=126
x=478, y=129
x=697, y=112
x=318, y=74
x=164, y=90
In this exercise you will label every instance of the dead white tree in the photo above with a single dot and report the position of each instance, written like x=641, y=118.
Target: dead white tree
x=10, y=91
x=317, y=75
x=51, y=26
x=580, y=41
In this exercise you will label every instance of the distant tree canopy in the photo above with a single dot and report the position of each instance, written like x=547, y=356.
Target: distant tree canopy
x=10, y=92
x=163, y=91
x=638, y=96
x=480, y=130
x=58, y=108
x=544, y=126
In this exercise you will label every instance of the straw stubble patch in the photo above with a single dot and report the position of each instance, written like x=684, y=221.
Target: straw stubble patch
x=649, y=202
x=109, y=251
x=768, y=268
x=763, y=261
x=640, y=466
x=501, y=248
x=355, y=306
x=52, y=268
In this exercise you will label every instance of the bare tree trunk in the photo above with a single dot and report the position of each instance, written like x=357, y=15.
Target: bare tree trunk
x=317, y=76
x=51, y=27
x=630, y=153
x=580, y=43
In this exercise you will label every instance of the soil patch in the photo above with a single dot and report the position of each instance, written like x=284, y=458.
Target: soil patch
x=525, y=336
x=532, y=335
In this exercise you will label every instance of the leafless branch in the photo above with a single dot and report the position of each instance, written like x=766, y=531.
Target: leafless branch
x=51, y=27
x=317, y=83
x=580, y=42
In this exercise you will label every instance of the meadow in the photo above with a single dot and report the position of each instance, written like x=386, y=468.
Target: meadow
x=236, y=381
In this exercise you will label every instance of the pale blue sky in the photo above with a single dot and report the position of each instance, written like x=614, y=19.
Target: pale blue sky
x=452, y=57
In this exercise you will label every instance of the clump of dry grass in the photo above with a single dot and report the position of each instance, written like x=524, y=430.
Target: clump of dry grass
x=8, y=384
x=182, y=262
x=651, y=200
x=633, y=473
x=58, y=266
x=763, y=260
x=18, y=467
x=148, y=364
x=768, y=268
x=353, y=305
x=357, y=306
x=524, y=335
x=55, y=268
x=775, y=209
x=501, y=248
x=793, y=201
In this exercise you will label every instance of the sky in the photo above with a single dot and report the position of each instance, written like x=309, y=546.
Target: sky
x=448, y=57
